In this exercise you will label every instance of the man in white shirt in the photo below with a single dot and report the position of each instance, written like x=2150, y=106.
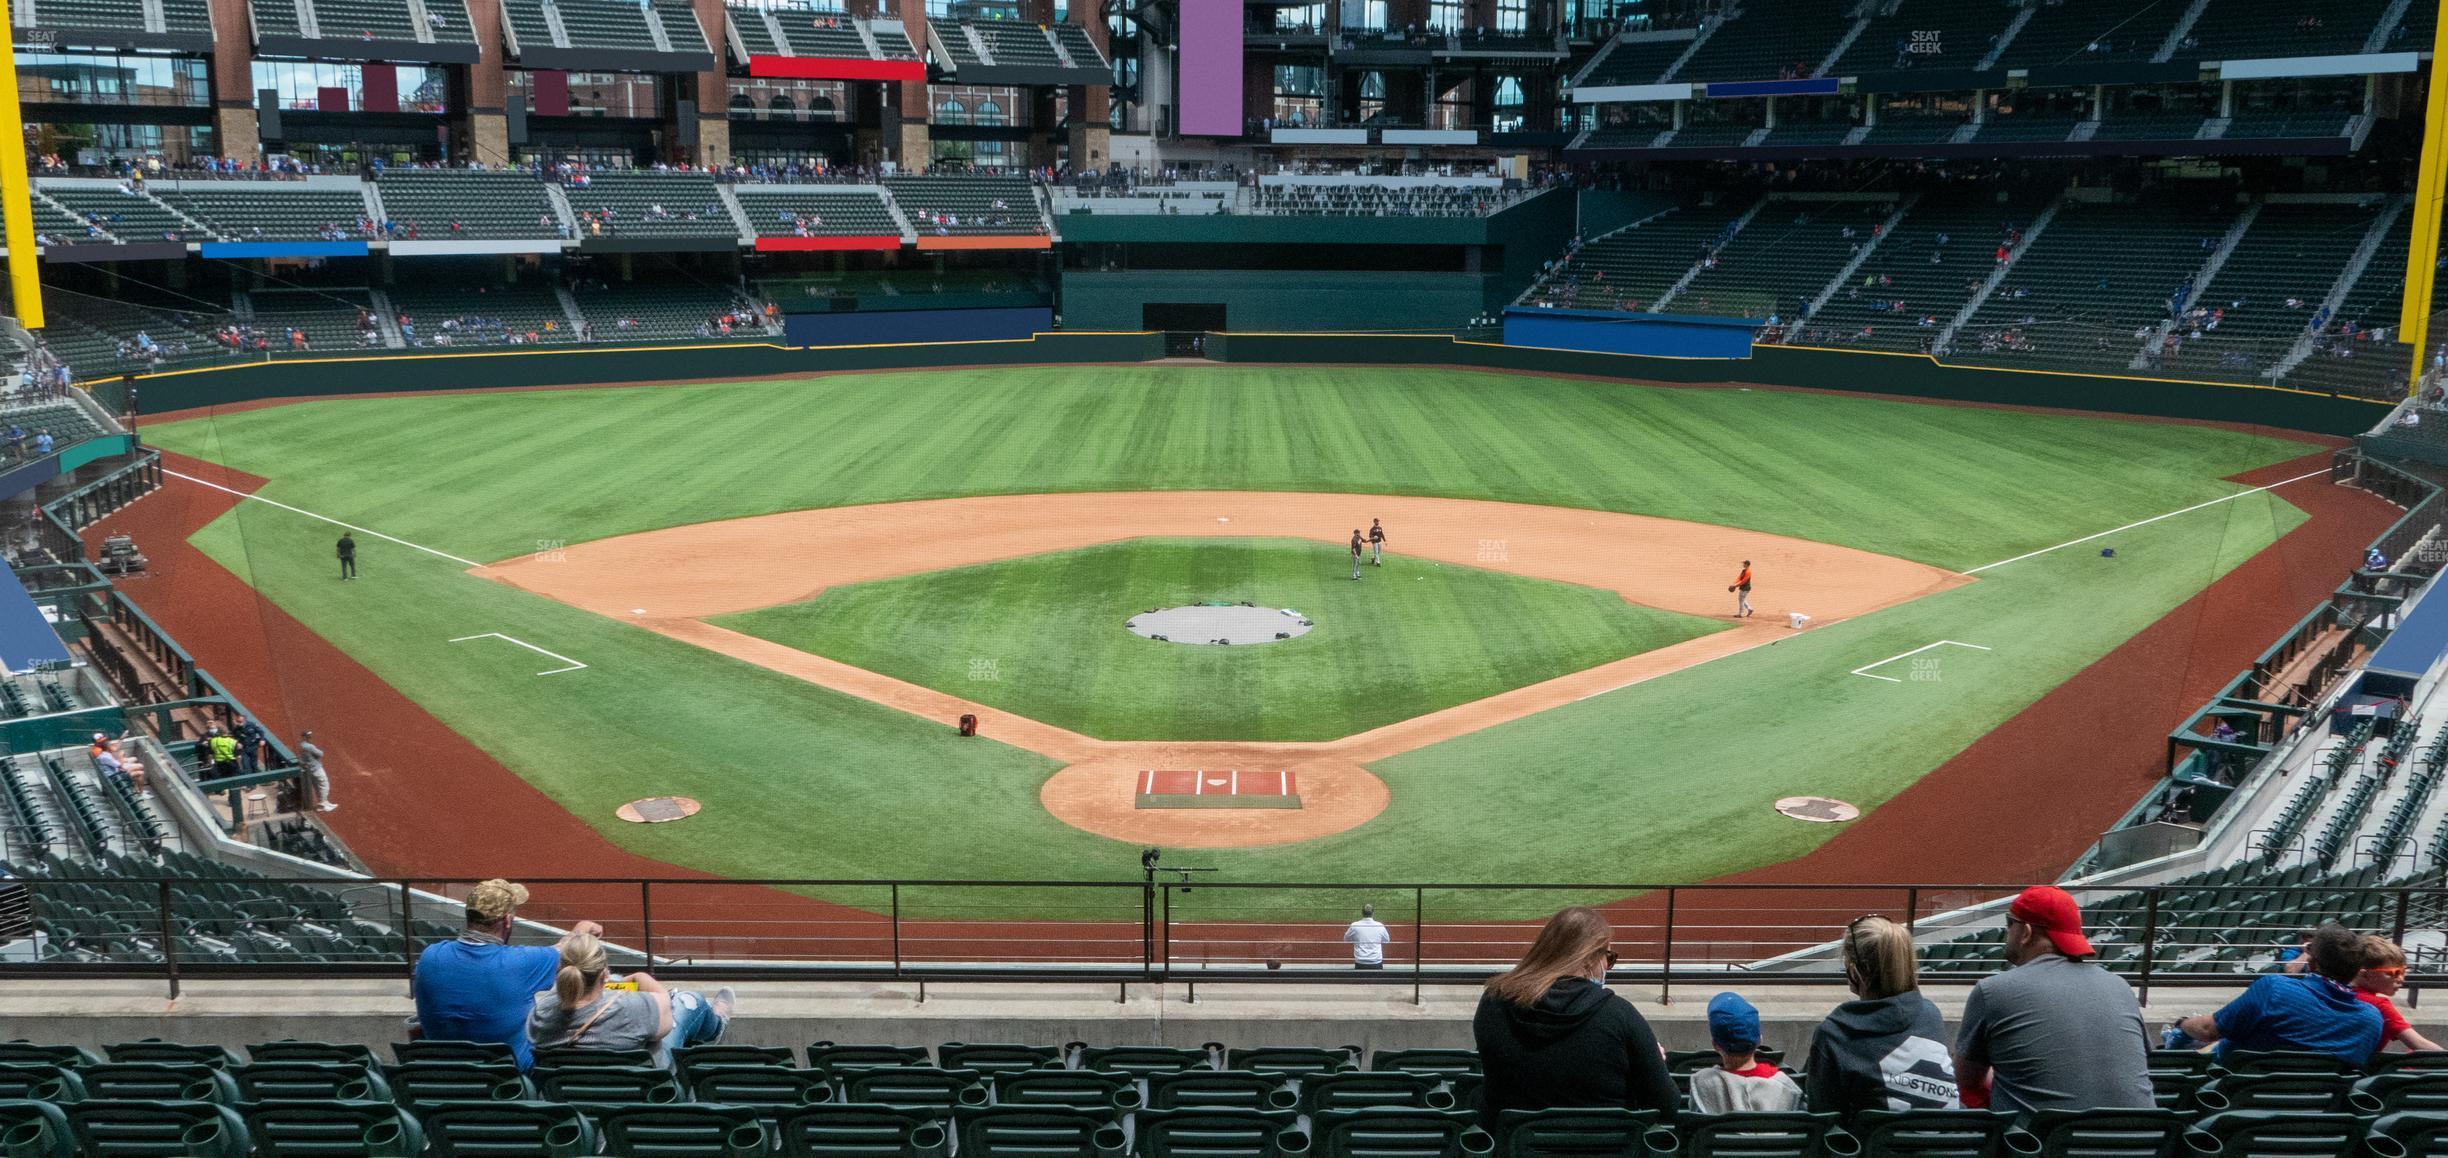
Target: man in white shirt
x=1367, y=937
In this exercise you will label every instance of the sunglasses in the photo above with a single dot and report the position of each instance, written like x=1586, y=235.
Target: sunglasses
x=2389, y=970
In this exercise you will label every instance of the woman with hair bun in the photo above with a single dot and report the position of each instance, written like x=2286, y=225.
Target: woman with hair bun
x=1888, y=1050
x=583, y=1012
x=1550, y=1033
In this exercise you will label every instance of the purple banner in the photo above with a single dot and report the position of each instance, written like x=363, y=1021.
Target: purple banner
x=1211, y=68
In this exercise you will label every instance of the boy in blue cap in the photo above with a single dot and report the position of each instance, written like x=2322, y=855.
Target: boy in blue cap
x=1740, y=1080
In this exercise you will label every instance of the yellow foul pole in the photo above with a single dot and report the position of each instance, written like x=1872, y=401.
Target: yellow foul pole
x=2422, y=260
x=17, y=192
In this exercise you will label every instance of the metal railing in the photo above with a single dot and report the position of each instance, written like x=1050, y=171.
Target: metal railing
x=1125, y=932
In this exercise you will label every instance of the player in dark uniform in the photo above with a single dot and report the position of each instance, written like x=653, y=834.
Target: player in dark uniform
x=1355, y=549
x=348, y=556
x=1376, y=543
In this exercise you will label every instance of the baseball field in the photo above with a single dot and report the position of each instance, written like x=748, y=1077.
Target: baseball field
x=781, y=591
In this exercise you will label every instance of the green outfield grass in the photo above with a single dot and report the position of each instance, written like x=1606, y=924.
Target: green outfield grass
x=491, y=476
x=1044, y=637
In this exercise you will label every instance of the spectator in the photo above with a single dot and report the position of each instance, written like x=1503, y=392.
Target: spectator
x=2384, y=970
x=1367, y=937
x=251, y=740
x=480, y=987
x=1886, y=1051
x=222, y=751
x=42, y=444
x=1550, y=1033
x=310, y=758
x=106, y=760
x=1739, y=1081
x=580, y=1013
x=2312, y=1011
x=2057, y=1032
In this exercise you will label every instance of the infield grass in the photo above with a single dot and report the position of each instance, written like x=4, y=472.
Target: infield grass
x=1666, y=780
x=1045, y=637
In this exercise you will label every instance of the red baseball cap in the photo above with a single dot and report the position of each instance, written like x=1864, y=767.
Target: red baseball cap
x=2052, y=911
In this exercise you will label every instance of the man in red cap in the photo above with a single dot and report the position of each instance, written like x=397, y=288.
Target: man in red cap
x=2056, y=1032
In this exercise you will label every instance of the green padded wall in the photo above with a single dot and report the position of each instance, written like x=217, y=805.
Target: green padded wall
x=1264, y=300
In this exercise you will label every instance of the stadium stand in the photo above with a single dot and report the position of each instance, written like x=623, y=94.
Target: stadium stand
x=1767, y=40
x=1075, y=43
x=1927, y=34
x=2080, y=295
x=2344, y=357
x=2258, y=305
x=1634, y=267
x=816, y=211
x=1372, y=200
x=128, y=215
x=661, y=312
x=955, y=42
x=270, y=211
x=1634, y=61
x=338, y=319
x=821, y=34
x=2289, y=123
x=1921, y=274
x=614, y=203
x=2248, y=29
x=2090, y=32
x=366, y=19
x=968, y=205
x=457, y=204
x=1779, y=262
x=1897, y=129
x=1012, y=42
x=488, y=316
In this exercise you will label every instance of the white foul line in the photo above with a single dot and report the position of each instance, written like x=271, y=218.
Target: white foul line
x=327, y=519
x=1864, y=670
x=2146, y=522
x=574, y=665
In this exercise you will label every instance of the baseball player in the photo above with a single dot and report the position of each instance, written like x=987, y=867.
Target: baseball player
x=1742, y=591
x=1376, y=543
x=1355, y=549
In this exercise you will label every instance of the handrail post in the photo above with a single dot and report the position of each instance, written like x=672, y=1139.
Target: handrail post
x=169, y=938
x=1666, y=976
x=646, y=920
x=2150, y=938
x=407, y=933
x=1419, y=940
x=896, y=928
x=1164, y=917
x=1912, y=910
x=1147, y=926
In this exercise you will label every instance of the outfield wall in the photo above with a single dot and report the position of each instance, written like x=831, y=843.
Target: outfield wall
x=1909, y=375
x=1291, y=299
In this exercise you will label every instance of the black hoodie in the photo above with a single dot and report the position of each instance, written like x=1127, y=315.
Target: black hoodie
x=1579, y=1045
x=1888, y=1054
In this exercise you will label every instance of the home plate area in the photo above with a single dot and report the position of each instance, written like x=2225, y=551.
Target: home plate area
x=1177, y=788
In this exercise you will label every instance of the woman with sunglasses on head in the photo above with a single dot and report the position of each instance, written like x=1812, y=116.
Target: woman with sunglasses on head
x=1888, y=1050
x=1550, y=1033
x=2384, y=970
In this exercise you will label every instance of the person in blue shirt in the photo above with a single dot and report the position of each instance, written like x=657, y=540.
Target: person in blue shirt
x=480, y=987
x=2313, y=1011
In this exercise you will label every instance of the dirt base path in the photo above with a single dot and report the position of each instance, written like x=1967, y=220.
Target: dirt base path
x=670, y=581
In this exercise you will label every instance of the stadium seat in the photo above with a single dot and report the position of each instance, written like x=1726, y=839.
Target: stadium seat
x=157, y=1129
x=1934, y=1133
x=21, y=1082
x=607, y=1085
x=1692, y=1061
x=565, y=1057
x=423, y=1083
x=2245, y=1061
x=1356, y=1090
x=2105, y=1134
x=2275, y=1091
x=1292, y=1060
x=1205, y=1089
x=1445, y=1062
x=692, y=1057
x=332, y=1129
x=1212, y=1133
x=681, y=1131
x=317, y=1081
x=858, y=1132
x=2421, y=1059
x=2174, y=1091
x=2408, y=1135
x=1395, y=1133
x=825, y=1055
x=507, y=1130
x=156, y=1050
x=2276, y=1134
x=1144, y=1059
x=760, y=1086
x=1574, y=1133
x=998, y=1059
x=72, y=1056
x=450, y=1051
x=159, y=1082
x=34, y=1129
x=913, y=1087
x=1069, y=1089
x=337, y=1053
x=2188, y=1061
x=2400, y=1090
x=1759, y=1135
x=1036, y=1132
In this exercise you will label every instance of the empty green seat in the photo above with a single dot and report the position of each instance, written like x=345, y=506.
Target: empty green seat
x=1036, y=1132
x=2277, y=1134
x=2421, y=1059
x=1427, y=1061
x=323, y=1081
x=858, y=1132
x=507, y=1130
x=429, y=1082
x=760, y=1086
x=913, y=1087
x=1357, y=1090
x=332, y=1129
x=826, y=1055
x=2410, y=1134
x=1934, y=1133
x=1144, y=1059
x=1213, y=1133
x=1758, y=1135
x=450, y=1051
x=34, y=1129
x=2412, y=1089
x=567, y=1058
x=1204, y=1089
x=159, y=1081
x=40, y=1083
x=607, y=1085
x=680, y=1131
x=335, y=1053
x=993, y=1059
x=149, y=1129
x=1294, y=1060
x=2283, y=1061
x=688, y=1058
x=1393, y=1133
x=1597, y=1132
x=2276, y=1091
x=2108, y=1133
x=156, y=1050
x=49, y=1055
x=1070, y=1089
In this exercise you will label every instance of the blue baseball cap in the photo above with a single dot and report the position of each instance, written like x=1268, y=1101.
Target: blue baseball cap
x=1733, y=1023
